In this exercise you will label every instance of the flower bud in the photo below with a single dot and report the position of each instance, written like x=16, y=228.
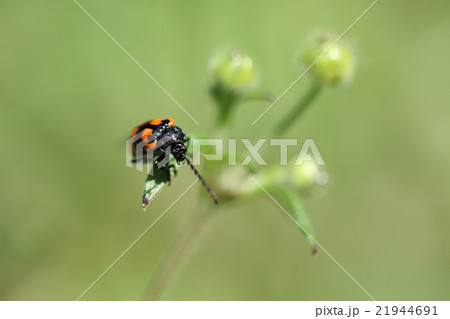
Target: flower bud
x=336, y=66
x=308, y=175
x=233, y=182
x=234, y=70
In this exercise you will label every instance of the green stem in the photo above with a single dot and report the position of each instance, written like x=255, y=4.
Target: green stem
x=225, y=101
x=302, y=105
x=225, y=112
x=261, y=96
x=300, y=215
x=168, y=269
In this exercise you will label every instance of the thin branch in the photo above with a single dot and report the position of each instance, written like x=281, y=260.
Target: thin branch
x=172, y=264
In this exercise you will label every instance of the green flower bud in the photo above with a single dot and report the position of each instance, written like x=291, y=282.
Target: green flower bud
x=234, y=70
x=233, y=182
x=308, y=175
x=233, y=78
x=334, y=67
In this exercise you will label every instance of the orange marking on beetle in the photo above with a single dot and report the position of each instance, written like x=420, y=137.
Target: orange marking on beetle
x=135, y=131
x=151, y=145
x=160, y=121
x=172, y=122
x=156, y=122
x=146, y=133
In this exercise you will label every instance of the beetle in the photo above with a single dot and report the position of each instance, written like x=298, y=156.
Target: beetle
x=157, y=138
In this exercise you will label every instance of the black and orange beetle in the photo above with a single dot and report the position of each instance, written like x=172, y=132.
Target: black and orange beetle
x=156, y=138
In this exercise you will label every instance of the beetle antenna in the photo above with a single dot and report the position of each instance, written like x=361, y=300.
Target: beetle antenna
x=210, y=191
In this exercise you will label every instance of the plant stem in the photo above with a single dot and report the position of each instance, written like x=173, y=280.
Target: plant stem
x=168, y=269
x=302, y=105
x=225, y=100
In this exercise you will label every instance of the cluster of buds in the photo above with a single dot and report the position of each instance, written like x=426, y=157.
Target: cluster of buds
x=233, y=80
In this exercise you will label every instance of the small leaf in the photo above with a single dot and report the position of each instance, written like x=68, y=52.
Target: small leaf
x=300, y=216
x=156, y=181
x=158, y=178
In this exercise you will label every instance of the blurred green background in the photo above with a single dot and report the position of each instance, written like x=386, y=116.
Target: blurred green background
x=69, y=98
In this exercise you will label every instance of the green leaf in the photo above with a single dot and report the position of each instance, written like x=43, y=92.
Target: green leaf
x=156, y=181
x=300, y=216
x=158, y=178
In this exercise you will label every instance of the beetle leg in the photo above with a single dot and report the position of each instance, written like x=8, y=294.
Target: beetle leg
x=169, y=170
x=169, y=179
x=158, y=160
